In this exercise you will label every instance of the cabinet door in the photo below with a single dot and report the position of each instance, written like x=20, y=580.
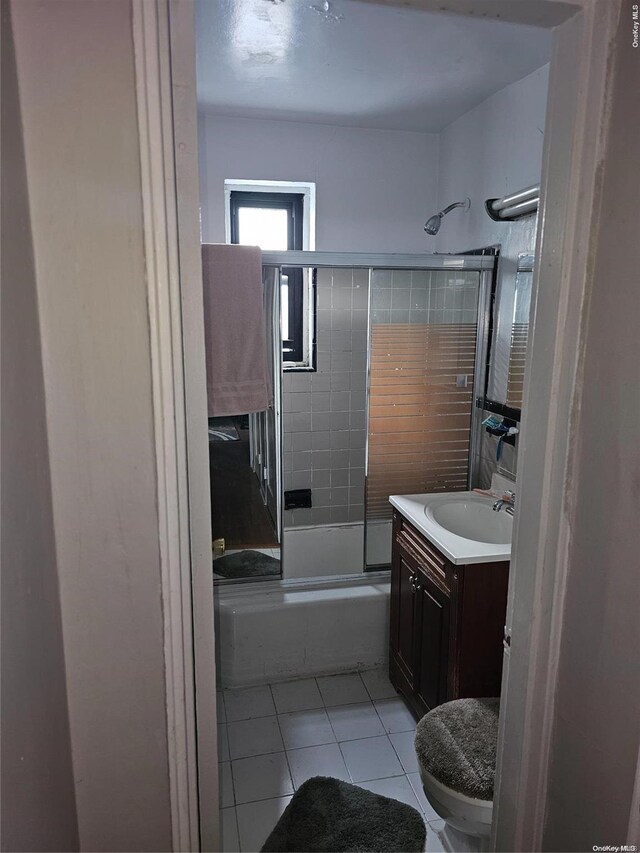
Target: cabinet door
x=433, y=639
x=403, y=616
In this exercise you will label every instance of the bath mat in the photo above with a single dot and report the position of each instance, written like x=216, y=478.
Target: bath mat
x=246, y=564
x=329, y=815
x=222, y=430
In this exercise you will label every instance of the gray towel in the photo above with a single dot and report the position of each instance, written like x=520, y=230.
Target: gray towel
x=234, y=327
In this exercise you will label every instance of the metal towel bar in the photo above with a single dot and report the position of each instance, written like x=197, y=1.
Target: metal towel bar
x=515, y=205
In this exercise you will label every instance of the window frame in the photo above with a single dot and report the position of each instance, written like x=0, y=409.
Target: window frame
x=303, y=359
x=293, y=204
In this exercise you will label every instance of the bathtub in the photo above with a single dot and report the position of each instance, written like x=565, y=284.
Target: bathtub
x=278, y=630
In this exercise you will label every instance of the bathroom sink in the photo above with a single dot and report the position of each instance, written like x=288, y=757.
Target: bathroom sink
x=462, y=525
x=472, y=517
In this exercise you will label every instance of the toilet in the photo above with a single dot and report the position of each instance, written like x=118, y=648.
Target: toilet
x=456, y=745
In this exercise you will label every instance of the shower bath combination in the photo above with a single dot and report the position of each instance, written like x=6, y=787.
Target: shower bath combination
x=432, y=225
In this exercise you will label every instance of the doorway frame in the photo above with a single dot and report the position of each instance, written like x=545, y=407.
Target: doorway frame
x=575, y=138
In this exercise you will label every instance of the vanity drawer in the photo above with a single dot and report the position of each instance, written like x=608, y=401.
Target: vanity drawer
x=428, y=557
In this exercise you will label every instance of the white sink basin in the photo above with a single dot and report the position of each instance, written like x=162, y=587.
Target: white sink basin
x=471, y=517
x=462, y=525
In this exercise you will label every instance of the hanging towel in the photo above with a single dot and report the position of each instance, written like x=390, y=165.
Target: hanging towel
x=234, y=329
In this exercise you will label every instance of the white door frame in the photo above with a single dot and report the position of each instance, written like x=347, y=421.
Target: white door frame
x=176, y=324
x=574, y=145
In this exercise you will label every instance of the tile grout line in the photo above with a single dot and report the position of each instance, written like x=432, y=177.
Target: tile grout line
x=233, y=784
x=335, y=735
x=284, y=746
x=334, y=731
x=237, y=823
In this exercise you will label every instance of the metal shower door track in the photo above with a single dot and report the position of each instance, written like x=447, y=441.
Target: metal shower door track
x=469, y=263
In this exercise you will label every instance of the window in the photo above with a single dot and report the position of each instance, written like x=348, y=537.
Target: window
x=265, y=214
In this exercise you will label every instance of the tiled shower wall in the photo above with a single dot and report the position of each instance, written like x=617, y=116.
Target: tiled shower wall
x=403, y=296
x=324, y=418
x=324, y=412
x=422, y=341
x=423, y=296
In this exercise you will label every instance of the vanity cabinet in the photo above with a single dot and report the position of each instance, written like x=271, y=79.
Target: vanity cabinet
x=447, y=622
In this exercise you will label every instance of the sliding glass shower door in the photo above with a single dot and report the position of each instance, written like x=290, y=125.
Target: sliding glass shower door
x=266, y=426
x=422, y=357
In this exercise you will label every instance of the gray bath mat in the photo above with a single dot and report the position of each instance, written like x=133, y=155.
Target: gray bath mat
x=222, y=430
x=329, y=815
x=246, y=564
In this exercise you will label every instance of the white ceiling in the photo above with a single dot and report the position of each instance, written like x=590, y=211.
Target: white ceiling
x=358, y=64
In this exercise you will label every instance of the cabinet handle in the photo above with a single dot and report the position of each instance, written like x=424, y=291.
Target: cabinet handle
x=413, y=580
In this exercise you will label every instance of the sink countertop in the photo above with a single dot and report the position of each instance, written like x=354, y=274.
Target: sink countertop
x=457, y=549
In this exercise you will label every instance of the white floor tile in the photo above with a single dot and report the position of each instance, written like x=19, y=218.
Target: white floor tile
x=257, y=820
x=323, y=760
x=223, y=744
x=416, y=783
x=226, y=785
x=254, y=737
x=220, y=712
x=229, y=831
x=434, y=844
x=403, y=743
x=248, y=703
x=378, y=685
x=300, y=695
x=261, y=777
x=306, y=728
x=342, y=689
x=395, y=715
x=355, y=721
x=371, y=758
x=397, y=787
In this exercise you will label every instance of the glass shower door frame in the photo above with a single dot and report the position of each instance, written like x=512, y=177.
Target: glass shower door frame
x=482, y=264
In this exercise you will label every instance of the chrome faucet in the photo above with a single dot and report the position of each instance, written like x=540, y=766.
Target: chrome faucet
x=507, y=502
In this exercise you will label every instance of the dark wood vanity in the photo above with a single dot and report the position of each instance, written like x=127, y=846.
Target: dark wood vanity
x=447, y=622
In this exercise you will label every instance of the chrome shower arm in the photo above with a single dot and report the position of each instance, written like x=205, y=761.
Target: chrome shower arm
x=451, y=207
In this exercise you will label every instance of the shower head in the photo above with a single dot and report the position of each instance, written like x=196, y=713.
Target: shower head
x=432, y=225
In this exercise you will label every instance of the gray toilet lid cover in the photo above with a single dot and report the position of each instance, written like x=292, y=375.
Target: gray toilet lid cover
x=457, y=743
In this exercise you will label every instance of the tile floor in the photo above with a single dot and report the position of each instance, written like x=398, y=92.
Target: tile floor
x=273, y=738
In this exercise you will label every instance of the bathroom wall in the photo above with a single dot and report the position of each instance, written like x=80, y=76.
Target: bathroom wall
x=75, y=71
x=375, y=188
x=492, y=150
x=595, y=743
x=38, y=799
